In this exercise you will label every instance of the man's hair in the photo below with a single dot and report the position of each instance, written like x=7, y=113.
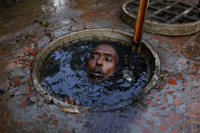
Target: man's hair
x=115, y=48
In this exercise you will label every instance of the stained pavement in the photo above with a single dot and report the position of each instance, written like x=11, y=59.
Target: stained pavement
x=171, y=106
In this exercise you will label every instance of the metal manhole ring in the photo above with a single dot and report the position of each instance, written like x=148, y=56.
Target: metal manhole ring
x=147, y=51
x=171, y=18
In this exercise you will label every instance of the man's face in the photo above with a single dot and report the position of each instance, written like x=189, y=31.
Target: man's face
x=102, y=62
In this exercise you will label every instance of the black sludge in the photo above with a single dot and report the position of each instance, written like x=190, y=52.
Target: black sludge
x=63, y=73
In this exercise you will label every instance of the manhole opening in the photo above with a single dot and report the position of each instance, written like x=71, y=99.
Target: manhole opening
x=63, y=73
x=59, y=78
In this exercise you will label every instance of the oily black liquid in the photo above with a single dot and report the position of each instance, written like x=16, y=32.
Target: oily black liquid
x=63, y=73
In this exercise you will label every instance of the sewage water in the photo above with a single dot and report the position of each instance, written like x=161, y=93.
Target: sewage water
x=63, y=73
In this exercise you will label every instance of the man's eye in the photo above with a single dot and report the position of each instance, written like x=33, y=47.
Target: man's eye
x=108, y=60
x=94, y=57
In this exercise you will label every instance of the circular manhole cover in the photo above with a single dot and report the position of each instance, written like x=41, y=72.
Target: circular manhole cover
x=147, y=52
x=166, y=18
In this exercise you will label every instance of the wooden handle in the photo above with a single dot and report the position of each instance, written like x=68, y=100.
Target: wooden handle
x=140, y=22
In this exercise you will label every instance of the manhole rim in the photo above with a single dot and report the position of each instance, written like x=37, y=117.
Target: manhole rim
x=48, y=97
x=132, y=20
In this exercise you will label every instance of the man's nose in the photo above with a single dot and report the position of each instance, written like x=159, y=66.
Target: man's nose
x=100, y=61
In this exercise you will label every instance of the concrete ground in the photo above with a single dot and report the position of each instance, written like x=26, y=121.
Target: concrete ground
x=172, y=106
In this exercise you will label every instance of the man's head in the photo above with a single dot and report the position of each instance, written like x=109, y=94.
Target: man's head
x=102, y=62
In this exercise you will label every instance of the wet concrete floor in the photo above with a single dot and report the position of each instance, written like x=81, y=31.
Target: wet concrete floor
x=171, y=106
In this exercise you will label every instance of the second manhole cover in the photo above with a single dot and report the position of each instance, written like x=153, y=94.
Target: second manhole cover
x=167, y=18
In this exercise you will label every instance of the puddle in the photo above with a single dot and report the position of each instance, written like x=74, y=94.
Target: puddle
x=63, y=73
x=20, y=14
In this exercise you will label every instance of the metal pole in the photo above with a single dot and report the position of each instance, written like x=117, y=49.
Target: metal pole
x=140, y=25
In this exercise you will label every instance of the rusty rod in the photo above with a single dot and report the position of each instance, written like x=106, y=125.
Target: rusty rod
x=140, y=24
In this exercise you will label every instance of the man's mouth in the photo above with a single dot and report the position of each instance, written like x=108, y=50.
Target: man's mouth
x=97, y=73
